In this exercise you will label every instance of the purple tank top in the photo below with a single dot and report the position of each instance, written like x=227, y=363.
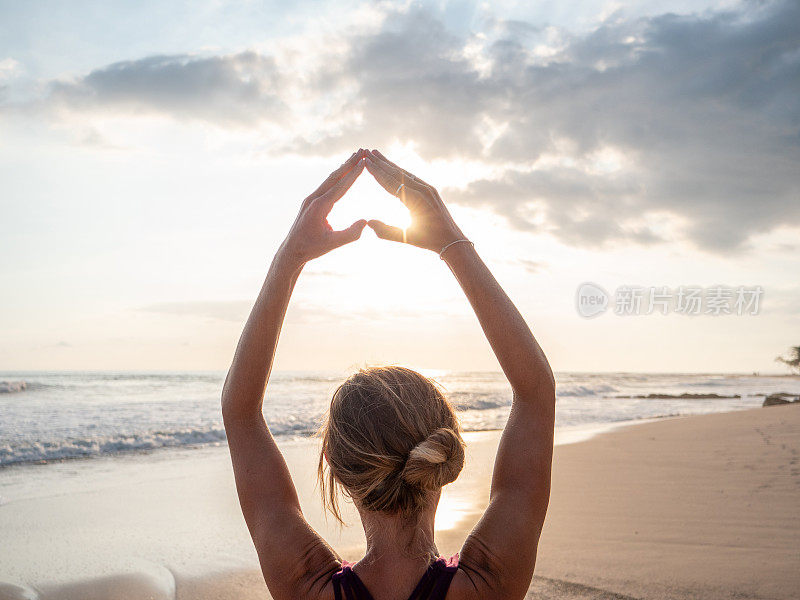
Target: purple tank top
x=433, y=585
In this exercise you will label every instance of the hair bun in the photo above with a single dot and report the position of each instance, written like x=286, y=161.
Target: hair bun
x=376, y=416
x=435, y=461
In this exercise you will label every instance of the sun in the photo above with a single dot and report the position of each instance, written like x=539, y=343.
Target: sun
x=368, y=200
x=390, y=286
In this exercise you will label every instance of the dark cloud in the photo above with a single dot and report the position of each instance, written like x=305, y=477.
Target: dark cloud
x=703, y=110
x=233, y=90
x=580, y=208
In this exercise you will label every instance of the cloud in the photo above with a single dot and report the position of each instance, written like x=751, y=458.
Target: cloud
x=234, y=310
x=298, y=313
x=532, y=266
x=642, y=130
x=8, y=68
x=59, y=345
x=781, y=301
x=231, y=90
x=704, y=112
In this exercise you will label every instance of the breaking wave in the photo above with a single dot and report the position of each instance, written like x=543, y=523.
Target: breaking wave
x=580, y=391
x=95, y=446
x=11, y=387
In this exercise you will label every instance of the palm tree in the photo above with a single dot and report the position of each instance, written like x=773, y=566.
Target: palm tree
x=793, y=360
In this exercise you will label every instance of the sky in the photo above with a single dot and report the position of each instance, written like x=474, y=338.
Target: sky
x=154, y=154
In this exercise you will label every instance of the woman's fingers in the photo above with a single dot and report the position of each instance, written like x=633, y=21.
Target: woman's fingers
x=387, y=181
x=338, y=189
x=412, y=187
x=386, y=232
x=334, y=177
x=399, y=168
x=345, y=236
x=423, y=187
x=391, y=181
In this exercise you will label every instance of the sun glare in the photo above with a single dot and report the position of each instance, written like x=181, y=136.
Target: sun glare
x=451, y=511
x=368, y=200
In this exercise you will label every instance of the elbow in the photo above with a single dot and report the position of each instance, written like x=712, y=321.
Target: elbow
x=238, y=407
x=549, y=380
x=546, y=382
x=233, y=414
x=231, y=409
x=540, y=384
x=229, y=406
x=225, y=396
x=230, y=401
x=226, y=407
x=226, y=402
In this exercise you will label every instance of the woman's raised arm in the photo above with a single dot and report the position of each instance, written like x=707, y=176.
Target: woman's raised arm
x=294, y=558
x=500, y=553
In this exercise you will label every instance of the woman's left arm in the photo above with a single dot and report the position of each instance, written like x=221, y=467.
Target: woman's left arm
x=294, y=558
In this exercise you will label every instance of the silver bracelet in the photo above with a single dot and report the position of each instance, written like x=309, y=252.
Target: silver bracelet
x=441, y=253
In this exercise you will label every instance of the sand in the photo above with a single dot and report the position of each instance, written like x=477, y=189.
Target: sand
x=699, y=507
x=695, y=508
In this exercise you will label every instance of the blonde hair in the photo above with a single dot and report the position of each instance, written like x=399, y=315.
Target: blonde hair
x=391, y=441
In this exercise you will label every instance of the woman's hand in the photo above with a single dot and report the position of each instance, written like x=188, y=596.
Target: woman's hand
x=432, y=227
x=311, y=235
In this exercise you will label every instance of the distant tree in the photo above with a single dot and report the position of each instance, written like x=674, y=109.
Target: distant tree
x=793, y=360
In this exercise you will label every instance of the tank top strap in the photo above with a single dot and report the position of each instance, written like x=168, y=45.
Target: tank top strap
x=347, y=585
x=450, y=564
x=436, y=581
x=433, y=585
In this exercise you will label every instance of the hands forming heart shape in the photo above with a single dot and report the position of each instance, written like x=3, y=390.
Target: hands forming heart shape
x=431, y=227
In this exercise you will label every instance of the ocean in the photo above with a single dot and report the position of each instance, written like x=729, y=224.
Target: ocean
x=55, y=416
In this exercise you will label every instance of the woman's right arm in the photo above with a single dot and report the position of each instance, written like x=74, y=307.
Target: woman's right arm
x=500, y=553
x=502, y=547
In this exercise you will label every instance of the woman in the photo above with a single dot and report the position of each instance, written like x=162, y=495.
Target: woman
x=391, y=441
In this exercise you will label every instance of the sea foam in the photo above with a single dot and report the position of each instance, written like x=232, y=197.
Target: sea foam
x=10, y=387
x=83, y=415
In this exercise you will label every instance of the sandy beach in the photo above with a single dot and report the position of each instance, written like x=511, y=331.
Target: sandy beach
x=696, y=507
x=699, y=507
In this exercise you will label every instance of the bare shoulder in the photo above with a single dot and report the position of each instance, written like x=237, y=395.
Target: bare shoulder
x=310, y=576
x=320, y=586
x=485, y=575
x=316, y=585
x=325, y=590
x=461, y=587
x=467, y=585
x=478, y=575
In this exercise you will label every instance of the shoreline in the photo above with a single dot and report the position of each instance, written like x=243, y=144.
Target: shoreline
x=648, y=511
x=109, y=413
x=569, y=434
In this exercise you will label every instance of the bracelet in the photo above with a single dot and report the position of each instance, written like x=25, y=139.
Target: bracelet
x=441, y=253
